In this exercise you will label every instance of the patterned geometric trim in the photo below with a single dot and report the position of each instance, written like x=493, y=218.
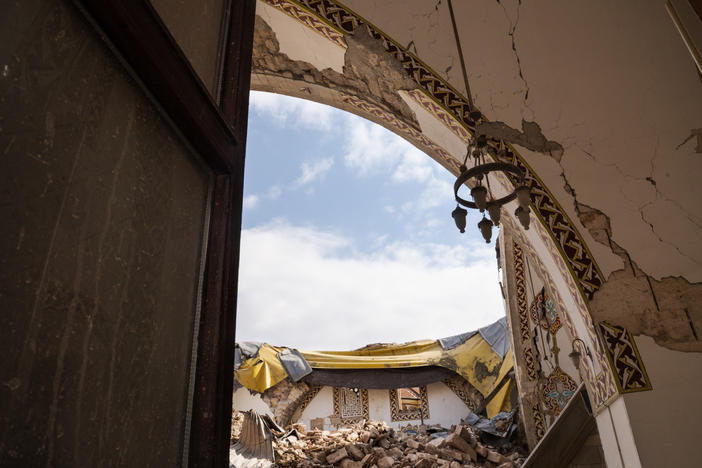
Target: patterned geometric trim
x=562, y=232
x=457, y=385
x=544, y=313
x=581, y=263
x=538, y=421
x=524, y=332
x=349, y=406
x=624, y=358
x=558, y=390
x=408, y=415
x=311, y=21
x=602, y=388
x=440, y=114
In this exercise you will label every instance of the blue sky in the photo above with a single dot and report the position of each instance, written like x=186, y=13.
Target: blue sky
x=348, y=238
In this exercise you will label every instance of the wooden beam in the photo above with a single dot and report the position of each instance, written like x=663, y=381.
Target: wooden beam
x=211, y=426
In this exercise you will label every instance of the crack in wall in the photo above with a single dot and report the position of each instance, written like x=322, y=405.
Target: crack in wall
x=511, y=33
x=695, y=132
x=658, y=236
x=667, y=310
x=660, y=196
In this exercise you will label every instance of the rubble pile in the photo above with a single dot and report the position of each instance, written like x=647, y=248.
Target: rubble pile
x=372, y=444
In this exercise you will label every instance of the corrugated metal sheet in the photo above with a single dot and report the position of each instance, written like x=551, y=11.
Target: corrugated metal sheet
x=254, y=449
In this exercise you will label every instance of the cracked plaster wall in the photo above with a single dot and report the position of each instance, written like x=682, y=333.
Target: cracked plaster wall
x=618, y=102
x=601, y=123
x=669, y=309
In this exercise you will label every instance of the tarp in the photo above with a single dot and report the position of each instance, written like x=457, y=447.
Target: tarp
x=477, y=360
x=497, y=336
x=294, y=363
x=473, y=359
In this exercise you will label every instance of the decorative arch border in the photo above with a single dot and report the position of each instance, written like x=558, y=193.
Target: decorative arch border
x=602, y=388
x=332, y=20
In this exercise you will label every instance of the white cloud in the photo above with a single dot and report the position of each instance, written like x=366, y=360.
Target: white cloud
x=371, y=148
x=306, y=288
x=250, y=202
x=274, y=192
x=312, y=171
x=285, y=109
x=368, y=149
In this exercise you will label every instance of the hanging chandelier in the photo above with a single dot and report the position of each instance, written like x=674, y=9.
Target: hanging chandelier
x=483, y=199
x=479, y=149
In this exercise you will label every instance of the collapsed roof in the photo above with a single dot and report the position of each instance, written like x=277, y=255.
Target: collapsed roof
x=480, y=356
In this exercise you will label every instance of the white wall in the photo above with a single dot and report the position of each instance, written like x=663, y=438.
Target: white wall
x=321, y=406
x=666, y=420
x=445, y=407
x=244, y=400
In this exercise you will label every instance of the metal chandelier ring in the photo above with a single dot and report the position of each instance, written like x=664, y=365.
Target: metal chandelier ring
x=484, y=169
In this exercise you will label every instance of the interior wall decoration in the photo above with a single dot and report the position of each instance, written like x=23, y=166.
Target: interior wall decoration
x=543, y=311
x=538, y=418
x=457, y=385
x=601, y=386
x=414, y=414
x=623, y=355
x=524, y=332
x=351, y=405
x=311, y=21
x=564, y=235
x=557, y=390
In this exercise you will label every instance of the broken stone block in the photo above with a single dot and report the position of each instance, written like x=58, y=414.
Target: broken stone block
x=347, y=463
x=337, y=456
x=464, y=433
x=395, y=452
x=507, y=464
x=494, y=457
x=411, y=443
x=386, y=462
x=436, y=442
x=451, y=454
x=354, y=452
x=423, y=463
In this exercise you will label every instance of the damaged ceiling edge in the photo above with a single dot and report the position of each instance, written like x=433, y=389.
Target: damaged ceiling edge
x=370, y=73
x=644, y=308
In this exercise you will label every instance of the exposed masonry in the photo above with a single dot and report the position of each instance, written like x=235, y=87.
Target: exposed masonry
x=669, y=310
x=530, y=137
x=369, y=71
x=285, y=398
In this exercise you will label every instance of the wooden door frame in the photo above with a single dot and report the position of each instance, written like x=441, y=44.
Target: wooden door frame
x=218, y=134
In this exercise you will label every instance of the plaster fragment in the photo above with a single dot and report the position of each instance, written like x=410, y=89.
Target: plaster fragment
x=530, y=137
x=669, y=310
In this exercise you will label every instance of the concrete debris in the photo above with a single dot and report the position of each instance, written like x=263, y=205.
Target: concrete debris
x=372, y=444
